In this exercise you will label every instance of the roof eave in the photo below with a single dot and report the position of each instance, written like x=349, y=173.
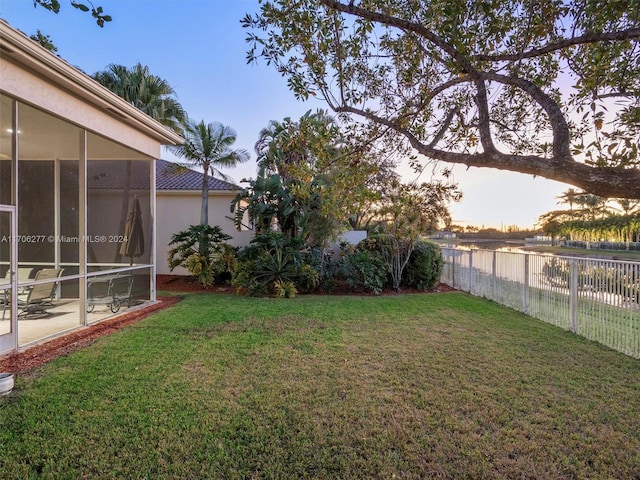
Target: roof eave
x=19, y=48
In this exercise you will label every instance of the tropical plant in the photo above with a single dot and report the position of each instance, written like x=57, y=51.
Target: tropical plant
x=569, y=197
x=285, y=289
x=145, y=91
x=627, y=206
x=305, y=166
x=270, y=263
x=592, y=206
x=215, y=262
x=296, y=150
x=615, y=228
x=484, y=84
x=268, y=204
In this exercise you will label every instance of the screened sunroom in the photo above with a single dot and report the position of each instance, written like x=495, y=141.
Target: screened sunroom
x=77, y=197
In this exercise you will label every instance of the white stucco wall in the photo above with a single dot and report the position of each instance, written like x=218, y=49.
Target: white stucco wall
x=176, y=211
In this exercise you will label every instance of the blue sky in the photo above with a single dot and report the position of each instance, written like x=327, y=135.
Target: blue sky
x=199, y=47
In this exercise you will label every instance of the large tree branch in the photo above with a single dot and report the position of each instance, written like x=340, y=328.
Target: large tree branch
x=561, y=166
x=561, y=147
x=431, y=94
x=443, y=128
x=629, y=34
x=559, y=127
x=604, y=182
x=402, y=24
x=484, y=118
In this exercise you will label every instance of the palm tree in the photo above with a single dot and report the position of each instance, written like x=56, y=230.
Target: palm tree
x=593, y=205
x=288, y=146
x=145, y=91
x=569, y=197
x=265, y=147
x=208, y=146
x=627, y=206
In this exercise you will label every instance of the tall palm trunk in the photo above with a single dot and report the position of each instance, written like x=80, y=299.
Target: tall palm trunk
x=204, y=209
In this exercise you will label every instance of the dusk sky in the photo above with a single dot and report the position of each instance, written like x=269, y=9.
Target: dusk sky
x=199, y=47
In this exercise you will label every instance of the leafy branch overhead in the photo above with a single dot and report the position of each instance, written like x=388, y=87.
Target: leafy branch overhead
x=550, y=89
x=96, y=12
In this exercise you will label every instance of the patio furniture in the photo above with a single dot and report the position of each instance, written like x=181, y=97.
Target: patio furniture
x=4, y=301
x=109, y=290
x=24, y=273
x=39, y=298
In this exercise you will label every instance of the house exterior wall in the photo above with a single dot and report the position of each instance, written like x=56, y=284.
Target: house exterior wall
x=177, y=210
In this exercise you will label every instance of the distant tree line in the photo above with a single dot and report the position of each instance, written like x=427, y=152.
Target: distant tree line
x=590, y=218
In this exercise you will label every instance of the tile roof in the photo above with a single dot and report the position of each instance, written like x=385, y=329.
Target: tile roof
x=169, y=176
x=110, y=175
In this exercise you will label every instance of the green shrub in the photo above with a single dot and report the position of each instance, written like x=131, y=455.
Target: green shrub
x=361, y=267
x=307, y=279
x=203, y=251
x=425, y=266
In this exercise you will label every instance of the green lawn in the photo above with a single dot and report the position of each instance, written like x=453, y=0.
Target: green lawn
x=415, y=386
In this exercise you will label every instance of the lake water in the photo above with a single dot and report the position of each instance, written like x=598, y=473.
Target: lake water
x=486, y=244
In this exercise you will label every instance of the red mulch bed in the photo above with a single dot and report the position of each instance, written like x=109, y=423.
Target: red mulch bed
x=176, y=283
x=184, y=284
x=38, y=355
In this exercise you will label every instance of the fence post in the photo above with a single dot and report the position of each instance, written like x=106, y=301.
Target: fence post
x=471, y=271
x=573, y=295
x=494, y=268
x=525, y=285
x=453, y=268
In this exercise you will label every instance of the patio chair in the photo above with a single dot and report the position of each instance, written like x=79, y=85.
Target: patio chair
x=40, y=297
x=24, y=273
x=4, y=301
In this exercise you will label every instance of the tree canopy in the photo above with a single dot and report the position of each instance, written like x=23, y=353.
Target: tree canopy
x=44, y=40
x=305, y=168
x=547, y=88
x=313, y=180
x=145, y=91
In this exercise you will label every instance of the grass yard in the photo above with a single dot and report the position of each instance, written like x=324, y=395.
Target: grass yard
x=415, y=386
